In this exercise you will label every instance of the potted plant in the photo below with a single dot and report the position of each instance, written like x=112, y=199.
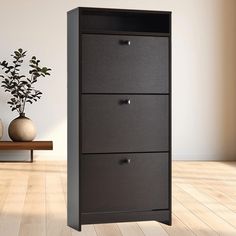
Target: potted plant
x=22, y=90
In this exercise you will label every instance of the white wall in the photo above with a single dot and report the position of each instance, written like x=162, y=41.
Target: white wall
x=204, y=70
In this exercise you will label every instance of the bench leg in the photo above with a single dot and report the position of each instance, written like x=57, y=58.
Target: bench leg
x=31, y=155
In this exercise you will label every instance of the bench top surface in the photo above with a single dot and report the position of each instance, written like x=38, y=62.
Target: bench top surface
x=34, y=145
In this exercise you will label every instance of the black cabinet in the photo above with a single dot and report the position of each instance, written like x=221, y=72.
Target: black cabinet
x=125, y=64
x=119, y=116
x=125, y=123
x=124, y=182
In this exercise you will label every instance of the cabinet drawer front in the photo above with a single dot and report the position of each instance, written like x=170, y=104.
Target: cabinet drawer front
x=111, y=65
x=124, y=182
x=110, y=124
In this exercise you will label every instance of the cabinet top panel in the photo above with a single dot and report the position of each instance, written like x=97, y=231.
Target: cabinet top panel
x=121, y=20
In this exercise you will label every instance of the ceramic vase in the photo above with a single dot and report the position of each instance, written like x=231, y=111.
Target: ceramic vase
x=22, y=129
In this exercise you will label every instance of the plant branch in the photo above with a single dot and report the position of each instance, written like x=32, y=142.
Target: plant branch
x=18, y=85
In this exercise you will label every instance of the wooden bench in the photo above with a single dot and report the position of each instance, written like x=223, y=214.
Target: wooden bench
x=34, y=145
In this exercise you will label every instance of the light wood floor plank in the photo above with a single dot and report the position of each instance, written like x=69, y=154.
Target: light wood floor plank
x=220, y=197
x=107, y=230
x=4, y=189
x=87, y=230
x=191, y=220
x=12, y=210
x=56, y=221
x=178, y=228
x=218, y=213
x=130, y=229
x=33, y=220
x=152, y=228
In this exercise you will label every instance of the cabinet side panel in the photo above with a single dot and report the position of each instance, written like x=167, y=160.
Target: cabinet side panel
x=73, y=218
x=170, y=119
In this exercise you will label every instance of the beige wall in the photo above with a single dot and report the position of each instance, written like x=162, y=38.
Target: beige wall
x=204, y=69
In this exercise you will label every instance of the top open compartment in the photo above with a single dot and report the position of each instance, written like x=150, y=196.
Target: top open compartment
x=122, y=21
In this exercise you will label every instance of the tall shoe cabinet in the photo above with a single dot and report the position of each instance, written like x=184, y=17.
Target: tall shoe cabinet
x=119, y=116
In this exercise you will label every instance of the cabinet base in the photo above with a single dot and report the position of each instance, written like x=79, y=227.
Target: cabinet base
x=163, y=216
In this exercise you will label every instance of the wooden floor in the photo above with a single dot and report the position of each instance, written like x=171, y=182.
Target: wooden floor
x=33, y=202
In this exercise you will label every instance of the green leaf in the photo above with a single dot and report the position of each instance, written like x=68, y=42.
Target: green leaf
x=17, y=53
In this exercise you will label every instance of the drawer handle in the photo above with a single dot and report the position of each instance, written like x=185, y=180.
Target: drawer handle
x=127, y=161
x=125, y=101
x=125, y=42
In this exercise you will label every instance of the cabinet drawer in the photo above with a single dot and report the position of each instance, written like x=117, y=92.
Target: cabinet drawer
x=110, y=124
x=111, y=65
x=124, y=182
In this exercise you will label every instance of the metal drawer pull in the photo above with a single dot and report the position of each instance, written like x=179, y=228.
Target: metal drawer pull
x=125, y=42
x=126, y=101
x=127, y=161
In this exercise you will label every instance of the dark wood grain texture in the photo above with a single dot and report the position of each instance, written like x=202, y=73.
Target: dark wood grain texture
x=31, y=146
x=112, y=126
x=162, y=216
x=34, y=145
x=141, y=67
x=124, y=182
x=73, y=218
x=100, y=19
x=117, y=55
